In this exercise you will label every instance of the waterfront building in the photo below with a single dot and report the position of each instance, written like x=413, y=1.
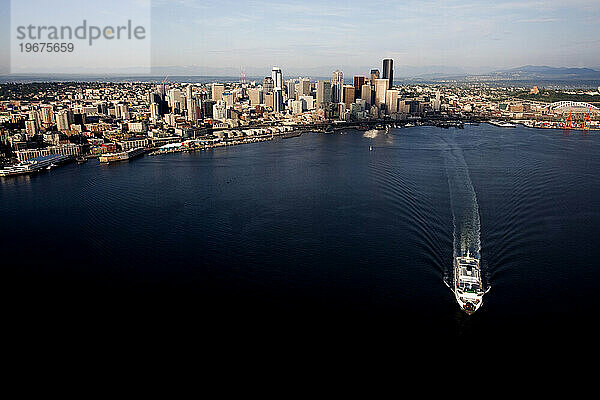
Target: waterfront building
x=63, y=150
x=388, y=71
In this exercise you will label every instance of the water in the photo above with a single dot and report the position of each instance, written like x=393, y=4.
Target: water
x=317, y=231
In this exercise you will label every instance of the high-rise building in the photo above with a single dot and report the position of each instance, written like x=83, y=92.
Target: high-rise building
x=366, y=94
x=381, y=87
x=391, y=101
x=349, y=93
x=268, y=85
x=47, y=113
x=188, y=97
x=337, y=85
x=303, y=88
x=277, y=77
x=374, y=75
x=388, y=71
x=217, y=91
x=277, y=100
x=358, y=82
x=291, y=88
x=323, y=93
x=63, y=122
x=256, y=96
x=193, y=104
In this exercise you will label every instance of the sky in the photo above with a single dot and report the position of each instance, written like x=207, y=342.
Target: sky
x=316, y=36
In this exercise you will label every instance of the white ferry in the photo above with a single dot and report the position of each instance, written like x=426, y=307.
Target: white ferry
x=468, y=287
x=34, y=165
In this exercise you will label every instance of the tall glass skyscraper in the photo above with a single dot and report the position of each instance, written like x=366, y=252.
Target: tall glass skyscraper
x=388, y=71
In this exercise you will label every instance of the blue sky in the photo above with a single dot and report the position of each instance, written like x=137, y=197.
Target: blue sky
x=316, y=36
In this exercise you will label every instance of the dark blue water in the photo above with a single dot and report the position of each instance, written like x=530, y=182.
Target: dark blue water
x=316, y=230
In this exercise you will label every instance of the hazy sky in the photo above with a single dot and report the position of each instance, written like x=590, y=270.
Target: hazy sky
x=316, y=35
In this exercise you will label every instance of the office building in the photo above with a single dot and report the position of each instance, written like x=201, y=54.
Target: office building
x=217, y=91
x=337, y=86
x=303, y=87
x=277, y=99
x=366, y=94
x=349, y=93
x=268, y=85
x=374, y=75
x=381, y=87
x=388, y=71
x=277, y=77
x=358, y=82
x=323, y=93
x=256, y=96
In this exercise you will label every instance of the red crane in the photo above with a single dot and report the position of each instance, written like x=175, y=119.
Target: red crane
x=569, y=121
x=587, y=121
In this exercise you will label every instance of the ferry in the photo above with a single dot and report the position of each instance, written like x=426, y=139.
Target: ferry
x=468, y=287
x=502, y=124
x=35, y=164
x=122, y=156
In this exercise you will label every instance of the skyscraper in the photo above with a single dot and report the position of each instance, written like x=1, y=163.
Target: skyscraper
x=388, y=71
x=349, y=93
x=337, y=84
x=323, y=93
x=217, y=91
x=374, y=75
x=277, y=77
x=268, y=85
x=358, y=82
x=367, y=94
x=381, y=87
x=277, y=100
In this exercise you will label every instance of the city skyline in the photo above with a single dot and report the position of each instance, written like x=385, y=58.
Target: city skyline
x=316, y=38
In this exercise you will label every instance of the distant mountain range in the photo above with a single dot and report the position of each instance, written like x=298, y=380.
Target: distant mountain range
x=545, y=72
x=430, y=73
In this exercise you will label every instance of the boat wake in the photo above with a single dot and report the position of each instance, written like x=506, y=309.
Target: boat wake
x=465, y=209
x=463, y=200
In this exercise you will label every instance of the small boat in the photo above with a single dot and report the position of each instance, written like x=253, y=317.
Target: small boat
x=81, y=160
x=49, y=167
x=370, y=148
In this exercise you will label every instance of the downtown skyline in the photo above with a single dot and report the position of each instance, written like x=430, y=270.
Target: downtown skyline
x=314, y=38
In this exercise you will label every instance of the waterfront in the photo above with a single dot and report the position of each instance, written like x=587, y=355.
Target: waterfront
x=316, y=227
